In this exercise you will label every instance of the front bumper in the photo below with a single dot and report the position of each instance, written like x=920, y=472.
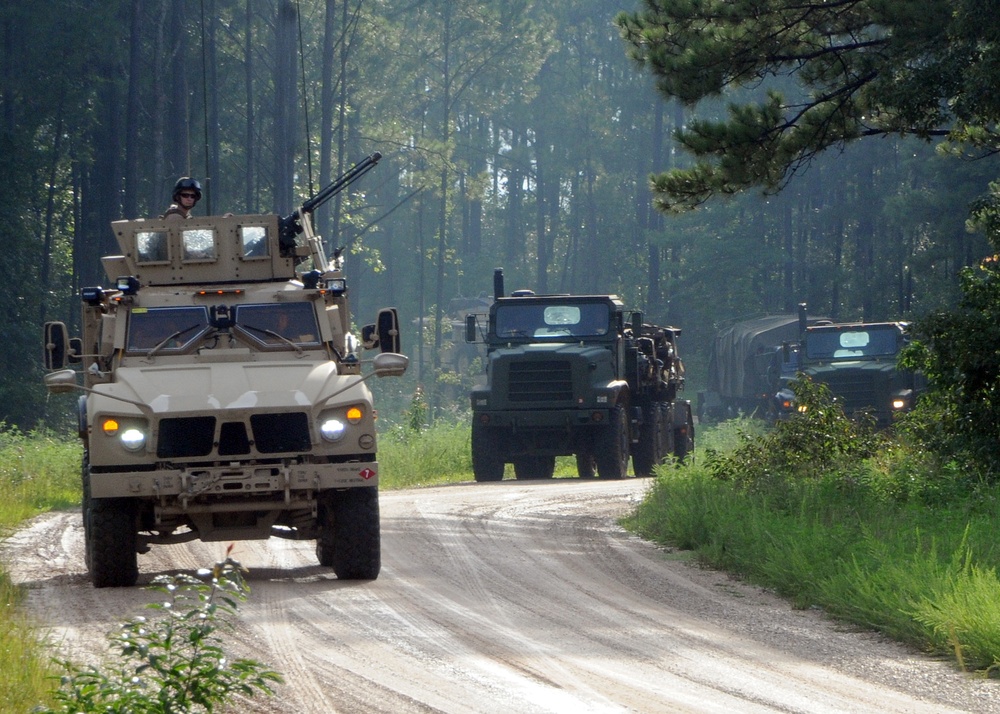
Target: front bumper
x=542, y=418
x=252, y=482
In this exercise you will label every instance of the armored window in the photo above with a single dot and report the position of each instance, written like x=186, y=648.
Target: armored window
x=165, y=329
x=198, y=244
x=253, y=241
x=151, y=246
x=278, y=325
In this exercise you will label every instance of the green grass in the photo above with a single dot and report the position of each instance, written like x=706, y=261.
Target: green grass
x=38, y=472
x=436, y=455
x=874, y=544
x=408, y=458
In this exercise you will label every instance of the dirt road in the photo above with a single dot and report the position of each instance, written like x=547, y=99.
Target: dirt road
x=512, y=597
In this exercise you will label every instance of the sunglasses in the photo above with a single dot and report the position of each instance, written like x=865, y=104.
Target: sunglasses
x=188, y=195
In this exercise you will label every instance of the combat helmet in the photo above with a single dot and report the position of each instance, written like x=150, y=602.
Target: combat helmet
x=189, y=183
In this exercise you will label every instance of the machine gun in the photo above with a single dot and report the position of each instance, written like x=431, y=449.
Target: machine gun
x=292, y=225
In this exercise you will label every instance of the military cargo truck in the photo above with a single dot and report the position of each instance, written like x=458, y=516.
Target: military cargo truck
x=749, y=363
x=575, y=375
x=857, y=361
x=224, y=395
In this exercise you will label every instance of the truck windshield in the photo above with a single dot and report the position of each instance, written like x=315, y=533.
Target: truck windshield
x=853, y=344
x=276, y=325
x=171, y=329
x=552, y=321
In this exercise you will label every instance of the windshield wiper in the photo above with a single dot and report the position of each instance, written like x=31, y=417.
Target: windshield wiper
x=164, y=342
x=272, y=333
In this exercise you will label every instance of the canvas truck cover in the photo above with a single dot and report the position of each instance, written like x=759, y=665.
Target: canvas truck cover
x=742, y=354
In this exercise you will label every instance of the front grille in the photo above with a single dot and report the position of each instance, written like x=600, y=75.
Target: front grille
x=856, y=390
x=183, y=437
x=540, y=381
x=277, y=433
x=194, y=437
x=233, y=439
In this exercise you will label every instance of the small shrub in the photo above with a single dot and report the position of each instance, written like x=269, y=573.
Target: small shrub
x=172, y=662
x=819, y=439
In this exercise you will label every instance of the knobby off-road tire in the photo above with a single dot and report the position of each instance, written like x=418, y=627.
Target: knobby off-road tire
x=487, y=459
x=110, y=534
x=85, y=506
x=534, y=467
x=350, y=538
x=612, y=455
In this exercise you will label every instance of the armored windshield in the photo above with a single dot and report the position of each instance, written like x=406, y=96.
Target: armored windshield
x=276, y=325
x=552, y=321
x=864, y=342
x=166, y=329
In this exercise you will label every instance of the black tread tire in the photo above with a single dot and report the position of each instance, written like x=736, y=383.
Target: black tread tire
x=534, y=467
x=612, y=456
x=649, y=451
x=487, y=459
x=350, y=538
x=684, y=438
x=586, y=465
x=85, y=505
x=111, y=547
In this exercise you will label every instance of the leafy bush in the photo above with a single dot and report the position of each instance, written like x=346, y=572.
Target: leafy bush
x=957, y=351
x=818, y=439
x=173, y=662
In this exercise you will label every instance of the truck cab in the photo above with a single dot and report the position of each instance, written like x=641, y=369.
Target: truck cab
x=857, y=361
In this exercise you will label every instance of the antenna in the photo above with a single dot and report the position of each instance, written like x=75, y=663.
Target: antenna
x=305, y=100
x=204, y=111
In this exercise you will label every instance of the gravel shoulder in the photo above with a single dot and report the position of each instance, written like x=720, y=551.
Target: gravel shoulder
x=514, y=596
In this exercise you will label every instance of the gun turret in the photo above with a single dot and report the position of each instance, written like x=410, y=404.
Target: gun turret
x=291, y=225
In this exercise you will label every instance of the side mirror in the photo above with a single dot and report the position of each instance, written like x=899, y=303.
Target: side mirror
x=60, y=382
x=387, y=326
x=471, y=328
x=57, y=345
x=390, y=364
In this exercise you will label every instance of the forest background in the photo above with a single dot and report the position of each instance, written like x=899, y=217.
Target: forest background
x=515, y=134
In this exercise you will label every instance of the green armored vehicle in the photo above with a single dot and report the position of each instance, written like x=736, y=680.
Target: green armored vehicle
x=571, y=375
x=224, y=396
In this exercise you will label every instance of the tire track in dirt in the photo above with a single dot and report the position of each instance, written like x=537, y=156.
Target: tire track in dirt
x=507, y=597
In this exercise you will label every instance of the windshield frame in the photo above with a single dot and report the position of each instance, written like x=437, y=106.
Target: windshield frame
x=857, y=342
x=260, y=325
x=552, y=320
x=151, y=328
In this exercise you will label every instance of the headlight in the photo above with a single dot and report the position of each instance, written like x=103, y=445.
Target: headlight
x=785, y=399
x=332, y=429
x=133, y=439
x=131, y=433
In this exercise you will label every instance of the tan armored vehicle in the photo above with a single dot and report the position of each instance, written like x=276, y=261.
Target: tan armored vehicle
x=224, y=396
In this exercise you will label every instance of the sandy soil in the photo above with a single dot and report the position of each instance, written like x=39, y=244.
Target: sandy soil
x=510, y=597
